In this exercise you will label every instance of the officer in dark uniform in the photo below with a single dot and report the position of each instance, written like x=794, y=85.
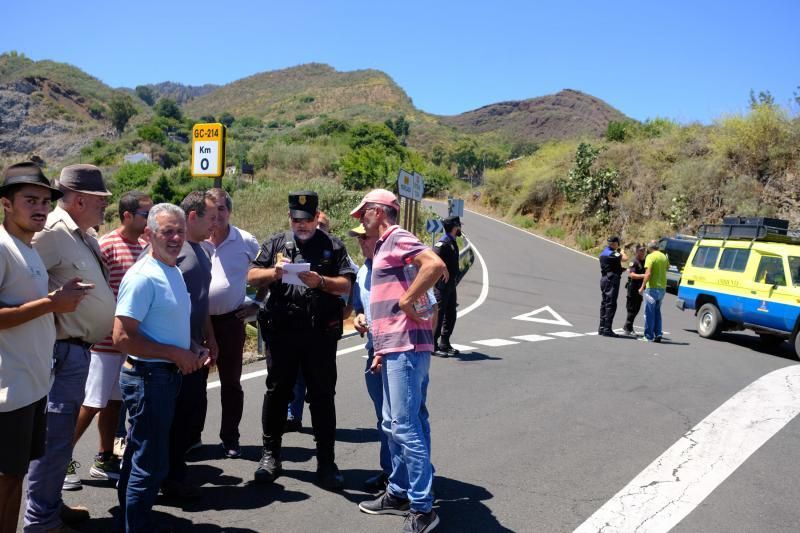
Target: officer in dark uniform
x=302, y=324
x=635, y=276
x=445, y=292
x=611, y=259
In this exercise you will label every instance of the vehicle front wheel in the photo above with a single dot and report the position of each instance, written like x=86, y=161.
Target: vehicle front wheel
x=709, y=321
x=797, y=345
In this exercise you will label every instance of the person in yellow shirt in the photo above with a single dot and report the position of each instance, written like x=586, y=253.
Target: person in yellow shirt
x=654, y=286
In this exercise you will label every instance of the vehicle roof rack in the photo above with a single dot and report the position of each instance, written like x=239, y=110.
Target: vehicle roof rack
x=750, y=229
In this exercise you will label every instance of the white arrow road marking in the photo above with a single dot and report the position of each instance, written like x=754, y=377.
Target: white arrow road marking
x=495, y=342
x=533, y=338
x=557, y=319
x=566, y=334
x=678, y=481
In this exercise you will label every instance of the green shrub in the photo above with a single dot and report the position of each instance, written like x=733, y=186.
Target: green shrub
x=522, y=221
x=133, y=176
x=151, y=133
x=556, y=232
x=585, y=242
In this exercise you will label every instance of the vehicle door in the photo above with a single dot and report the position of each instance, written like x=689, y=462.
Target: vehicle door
x=773, y=295
x=731, y=270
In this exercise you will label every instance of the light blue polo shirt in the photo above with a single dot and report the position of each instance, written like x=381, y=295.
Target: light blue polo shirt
x=155, y=295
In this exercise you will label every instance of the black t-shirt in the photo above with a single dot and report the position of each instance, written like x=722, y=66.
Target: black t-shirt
x=637, y=267
x=326, y=254
x=196, y=269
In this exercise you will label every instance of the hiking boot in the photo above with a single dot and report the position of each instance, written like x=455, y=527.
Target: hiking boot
x=72, y=481
x=385, y=504
x=105, y=466
x=178, y=490
x=231, y=451
x=329, y=477
x=377, y=483
x=119, y=446
x=73, y=515
x=440, y=352
x=448, y=349
x=420, y=522
x=269, y=468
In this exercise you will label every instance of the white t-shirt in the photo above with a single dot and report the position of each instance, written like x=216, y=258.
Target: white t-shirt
x=26, y=350
x=230, y=262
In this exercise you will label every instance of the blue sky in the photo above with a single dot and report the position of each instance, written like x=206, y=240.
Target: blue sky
x=689, y=61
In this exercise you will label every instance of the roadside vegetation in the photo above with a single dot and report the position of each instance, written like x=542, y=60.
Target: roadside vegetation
x=644, y=180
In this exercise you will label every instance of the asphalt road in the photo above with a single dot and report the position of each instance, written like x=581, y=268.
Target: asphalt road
x=528, y=435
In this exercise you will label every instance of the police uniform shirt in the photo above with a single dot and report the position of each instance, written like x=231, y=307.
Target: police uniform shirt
x=637, y=267
x=326, y=254
x=611, y=262
x=447, y=250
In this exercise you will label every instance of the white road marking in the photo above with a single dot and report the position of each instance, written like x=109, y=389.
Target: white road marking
x=533, y=338
x=557, y=319
x=462, y=347
x=674, y=484
x=495, y=342
x=566, y=334
x=592, y=333
x=477, y=303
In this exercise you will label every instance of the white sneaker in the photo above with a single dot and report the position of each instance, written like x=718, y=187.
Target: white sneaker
x=72, y=481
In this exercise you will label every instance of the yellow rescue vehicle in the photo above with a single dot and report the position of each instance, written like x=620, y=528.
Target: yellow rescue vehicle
x=745, y=274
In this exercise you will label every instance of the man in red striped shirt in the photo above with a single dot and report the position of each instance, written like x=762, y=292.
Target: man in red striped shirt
x=119, y=250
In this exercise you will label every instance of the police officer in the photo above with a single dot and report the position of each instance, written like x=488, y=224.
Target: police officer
x=611, y=259
x=635, y=276
x=302, y=324
x=445, y=291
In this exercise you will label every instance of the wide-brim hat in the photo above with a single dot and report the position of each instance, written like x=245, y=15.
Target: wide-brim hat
x=28, y=173
x=376, y=196
x=83, y=178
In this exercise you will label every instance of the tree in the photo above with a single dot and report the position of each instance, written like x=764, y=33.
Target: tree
x=151, y=133
x=168, y=108
x=121, y=111
x=618, y=131
x=146, y=94
x=226, y=119
x=765, y=98
x=400, y=127
x=594, y=189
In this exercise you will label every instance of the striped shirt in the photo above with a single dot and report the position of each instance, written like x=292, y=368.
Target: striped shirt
x=119, y=254
x=392, y=330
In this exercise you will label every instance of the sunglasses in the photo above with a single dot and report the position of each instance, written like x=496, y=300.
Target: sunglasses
x=142, y=213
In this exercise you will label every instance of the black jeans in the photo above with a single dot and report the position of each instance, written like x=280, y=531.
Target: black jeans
x=313, y=354
x=188, y=422
x=609, y=290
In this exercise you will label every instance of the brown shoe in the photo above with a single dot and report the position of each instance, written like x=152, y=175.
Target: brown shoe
x=73, y=515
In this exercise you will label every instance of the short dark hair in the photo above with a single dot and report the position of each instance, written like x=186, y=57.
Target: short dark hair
x=391, y=212
x=11, y=190
x=196, y=201
x=129, y=202
x=222, y=194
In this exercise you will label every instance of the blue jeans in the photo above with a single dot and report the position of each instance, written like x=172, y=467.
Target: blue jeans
x=149, y=391
x=295, y=411
x=405, y=423
x=375, y=390
x=46, y=474
x=652, y=313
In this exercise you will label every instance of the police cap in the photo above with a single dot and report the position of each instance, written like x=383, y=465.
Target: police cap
x=303, y=204
x=451, y=222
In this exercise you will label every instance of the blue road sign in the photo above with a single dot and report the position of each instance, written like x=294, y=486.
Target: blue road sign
x=434, y=225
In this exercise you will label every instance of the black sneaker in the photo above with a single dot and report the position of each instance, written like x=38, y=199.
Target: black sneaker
x=420, y=522
x=611, y=334
x=329, y=477
x=657, y=339
x=269, y=468
x=439, y=352
x=377, y=483
x=232, y=450
x=385, y=504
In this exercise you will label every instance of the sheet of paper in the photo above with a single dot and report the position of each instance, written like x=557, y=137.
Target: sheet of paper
x=290, y=271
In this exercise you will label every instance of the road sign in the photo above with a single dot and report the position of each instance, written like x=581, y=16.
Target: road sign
x=434, y=225
x=531, y=317
x=405, y=184
x=455, y=207
x=418, y=187
x=208, y=150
